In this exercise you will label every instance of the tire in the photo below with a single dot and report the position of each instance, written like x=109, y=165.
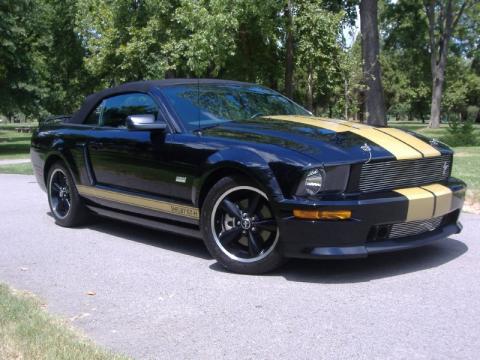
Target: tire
x=63, y=194
x=239, y=228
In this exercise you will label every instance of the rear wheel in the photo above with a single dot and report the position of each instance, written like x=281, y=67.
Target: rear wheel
x=66, y=205
x=239, y=227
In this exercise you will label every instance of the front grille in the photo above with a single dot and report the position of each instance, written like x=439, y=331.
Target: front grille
x=396, y=174
x=414, y=228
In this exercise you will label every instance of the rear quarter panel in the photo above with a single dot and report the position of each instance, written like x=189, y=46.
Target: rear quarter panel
x=53, y=143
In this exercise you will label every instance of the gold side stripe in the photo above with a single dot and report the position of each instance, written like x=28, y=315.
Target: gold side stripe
x=398, y=148
x=426, y=149
x=134, y=200
x=443, y=198
x=421, y=203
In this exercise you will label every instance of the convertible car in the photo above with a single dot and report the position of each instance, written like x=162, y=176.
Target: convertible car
x=250, y=172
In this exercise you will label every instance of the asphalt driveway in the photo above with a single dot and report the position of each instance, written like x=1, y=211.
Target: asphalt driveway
x=161, y=296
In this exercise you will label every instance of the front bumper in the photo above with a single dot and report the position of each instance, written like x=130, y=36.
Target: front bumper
x=367, y=232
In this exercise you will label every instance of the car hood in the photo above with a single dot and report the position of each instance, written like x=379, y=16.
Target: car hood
x=323, y=139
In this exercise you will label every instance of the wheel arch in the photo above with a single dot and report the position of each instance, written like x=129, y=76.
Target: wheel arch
x=262, y=177
x=216, y=175
x=53, y=158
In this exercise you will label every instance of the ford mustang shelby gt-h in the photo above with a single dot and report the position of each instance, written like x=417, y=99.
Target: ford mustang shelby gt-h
x=253, y=174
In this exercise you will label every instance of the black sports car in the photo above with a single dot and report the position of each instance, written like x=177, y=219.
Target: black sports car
x=253, y=174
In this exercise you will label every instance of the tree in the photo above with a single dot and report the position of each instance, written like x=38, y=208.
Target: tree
x=374, y=97
x=405, y=59
x=351, y=86
x=208, y=39
x=54, y=52
x=63, y=79
x=317, y=51
x=289, y=49
x=259, y=54
x=18, y=64
x=443, y=17
x=460, y=97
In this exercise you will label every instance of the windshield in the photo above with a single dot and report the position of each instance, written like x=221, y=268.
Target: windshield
x=206, y=105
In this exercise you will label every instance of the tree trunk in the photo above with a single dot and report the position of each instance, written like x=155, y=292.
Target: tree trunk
x=310, y=91
x=361, y=110
x=438, y=75
x=374, y=97
x=437, y=91
x=289, y=52
x=446, y=20
x=272, y=81
x=345, y=94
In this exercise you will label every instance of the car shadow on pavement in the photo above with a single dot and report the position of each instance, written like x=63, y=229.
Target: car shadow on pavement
x=371, y=268
x=374, y=267
x=301, y=270
x=161, y=239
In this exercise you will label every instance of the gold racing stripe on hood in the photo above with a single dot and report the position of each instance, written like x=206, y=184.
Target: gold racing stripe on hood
x=413, y=142
x=426, y=149
x=398, y=148
x=313, y=121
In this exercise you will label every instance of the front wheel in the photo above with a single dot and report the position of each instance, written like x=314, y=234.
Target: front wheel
x=239, y=227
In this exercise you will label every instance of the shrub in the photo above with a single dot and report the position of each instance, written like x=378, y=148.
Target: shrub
x=460, y=134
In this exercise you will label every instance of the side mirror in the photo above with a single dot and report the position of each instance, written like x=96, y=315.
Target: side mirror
x=144, y=122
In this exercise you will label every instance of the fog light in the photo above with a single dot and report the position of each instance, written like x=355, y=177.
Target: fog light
x=322, y=214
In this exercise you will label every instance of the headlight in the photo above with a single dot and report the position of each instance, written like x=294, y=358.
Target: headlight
x=331, y=179
x=312, y=183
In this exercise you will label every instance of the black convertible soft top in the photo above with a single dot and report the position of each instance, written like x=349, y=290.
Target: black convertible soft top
x=138, y=86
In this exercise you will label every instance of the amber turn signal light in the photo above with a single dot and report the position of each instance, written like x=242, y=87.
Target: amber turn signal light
x=322, y=214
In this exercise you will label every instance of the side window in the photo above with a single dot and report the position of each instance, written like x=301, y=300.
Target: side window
x=95, y=115
x=117, y=108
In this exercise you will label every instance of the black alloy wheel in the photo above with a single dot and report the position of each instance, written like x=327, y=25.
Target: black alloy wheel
x=242, y=232
x=59, y=190
x=67, y=206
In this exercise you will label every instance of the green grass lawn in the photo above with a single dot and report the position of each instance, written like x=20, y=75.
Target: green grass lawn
x=425, y=130
x=24, y=169
x=8, y=126
x=14, y=145
x=28, y=332
x=466, y=166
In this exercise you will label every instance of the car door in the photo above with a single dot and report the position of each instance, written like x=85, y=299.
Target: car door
x=129, y=160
